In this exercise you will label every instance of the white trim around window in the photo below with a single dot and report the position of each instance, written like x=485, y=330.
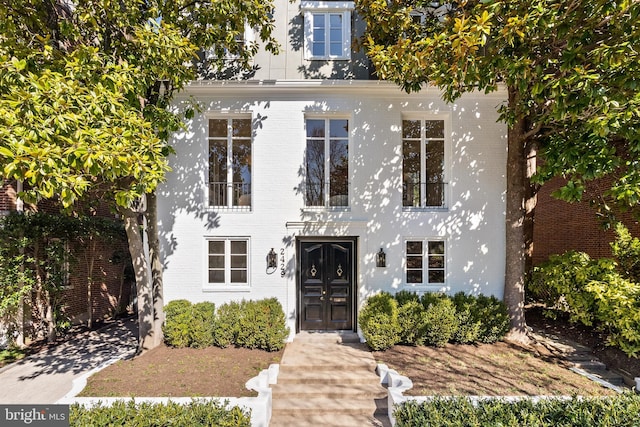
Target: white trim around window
x=425, y=263
x=327, y=30
x=227, y=263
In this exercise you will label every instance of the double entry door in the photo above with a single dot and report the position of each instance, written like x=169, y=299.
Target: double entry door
x=326, y=284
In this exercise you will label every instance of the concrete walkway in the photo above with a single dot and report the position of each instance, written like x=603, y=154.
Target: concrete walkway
x=47, y=376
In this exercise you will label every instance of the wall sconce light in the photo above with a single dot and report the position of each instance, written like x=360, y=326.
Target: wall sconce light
x=381, y=259
x=272, y=259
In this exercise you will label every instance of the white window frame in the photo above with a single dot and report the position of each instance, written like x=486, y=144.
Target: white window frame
x=327, y=161
x=326, y=8
x=229, y=206
x=446, y=118
x=425, y=285
x=227, y=285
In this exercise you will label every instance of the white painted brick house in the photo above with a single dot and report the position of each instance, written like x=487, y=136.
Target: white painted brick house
x=325, y=166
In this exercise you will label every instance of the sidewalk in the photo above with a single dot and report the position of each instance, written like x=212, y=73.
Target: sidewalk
x=47, y=376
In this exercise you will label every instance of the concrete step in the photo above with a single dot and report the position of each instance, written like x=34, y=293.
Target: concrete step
x=327, y=337
x=314, y=377
x=305, y=391
x=591, y=366
x=326, y=405
x=329, y=420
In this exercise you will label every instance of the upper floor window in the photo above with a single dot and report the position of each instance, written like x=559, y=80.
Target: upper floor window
x=230, y=162
x=327, y=29
x=327, y=163
x=423, y=183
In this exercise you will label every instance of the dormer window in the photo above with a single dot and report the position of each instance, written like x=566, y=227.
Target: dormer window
x=327, y=29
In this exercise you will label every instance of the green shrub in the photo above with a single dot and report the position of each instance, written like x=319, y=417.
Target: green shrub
x=405, y=296
x=440, y=322
x=379, y=321
x=493, y=317
x=618, y=411
x=129, y=413
x=177, y=324
x=411, y=321
x=263, y=325
x=227, y=325
x=626, y=250
x=618, y=311
x=469, y=323
x=561, y=284
x=429, y=298
x=203, y=325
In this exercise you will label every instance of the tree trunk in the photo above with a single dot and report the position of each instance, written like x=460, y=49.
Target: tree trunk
x=91, y=248
x=143, y=285
x=515, y=219
x=156, y=267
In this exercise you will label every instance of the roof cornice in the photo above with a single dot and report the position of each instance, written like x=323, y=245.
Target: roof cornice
x=326, y=86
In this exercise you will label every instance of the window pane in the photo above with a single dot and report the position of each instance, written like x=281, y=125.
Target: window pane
x=216, y=261
x=318, y=49
x=434, y=128
x=238, y=261
x=335, y=49
x=414, y=276
x=339, y=179
x=241, y=167
x=339, y=128
x=239, y=276
x=436, y=247
x=242, y=128
x=318, y=20
x=436, y=261
x=411, y=182
x=315, y=128
x=436, y=276
x=238, y=247
x=335, y=20
x=411, y=129
x=217, y=160
x=414, y=248
x=315, y=172
x=216, y=247
x=216, y=276
x=435, y=161
x=335, y=36
x=414, y=262
x=218, y=128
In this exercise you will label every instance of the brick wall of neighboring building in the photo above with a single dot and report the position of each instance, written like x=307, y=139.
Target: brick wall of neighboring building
x=111, y=288
x=561, y=226
x=7, y=197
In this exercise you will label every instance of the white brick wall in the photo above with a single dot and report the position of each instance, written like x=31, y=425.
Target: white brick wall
x=473, y=224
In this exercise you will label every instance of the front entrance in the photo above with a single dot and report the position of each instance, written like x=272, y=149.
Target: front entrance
x=326, y=277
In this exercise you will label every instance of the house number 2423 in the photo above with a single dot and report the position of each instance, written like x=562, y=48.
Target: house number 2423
x=283, y=270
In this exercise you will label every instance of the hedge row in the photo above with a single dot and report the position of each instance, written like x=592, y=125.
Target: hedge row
x=433, y=319
x=250, y=324
x=619, y=411
x=129, y=413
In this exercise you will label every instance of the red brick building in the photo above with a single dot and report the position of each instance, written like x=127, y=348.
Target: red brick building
x=561, y=226
x=109, y=262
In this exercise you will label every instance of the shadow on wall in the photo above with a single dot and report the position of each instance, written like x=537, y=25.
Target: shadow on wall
x=375, y=205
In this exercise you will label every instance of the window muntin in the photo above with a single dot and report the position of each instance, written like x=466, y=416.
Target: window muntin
x=230, y=162
x=327, y=29
x=228, y=262
x=423, y=163
x=425, y=262
x=327, y=163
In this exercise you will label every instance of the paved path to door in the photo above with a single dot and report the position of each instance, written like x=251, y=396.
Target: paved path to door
x=46, y=377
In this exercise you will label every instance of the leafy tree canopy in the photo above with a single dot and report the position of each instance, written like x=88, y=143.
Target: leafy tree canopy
x=572, y=69
x=85, y=86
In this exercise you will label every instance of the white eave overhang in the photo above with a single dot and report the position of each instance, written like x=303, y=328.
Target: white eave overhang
x=254, y=87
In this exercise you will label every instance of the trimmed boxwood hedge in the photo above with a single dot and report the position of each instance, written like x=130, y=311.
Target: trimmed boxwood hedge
x=433, y=319
x=618, y=411
x=129, y=413
x=250, y=324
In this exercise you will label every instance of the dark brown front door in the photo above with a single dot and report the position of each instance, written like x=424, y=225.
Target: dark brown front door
x=326, y=277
